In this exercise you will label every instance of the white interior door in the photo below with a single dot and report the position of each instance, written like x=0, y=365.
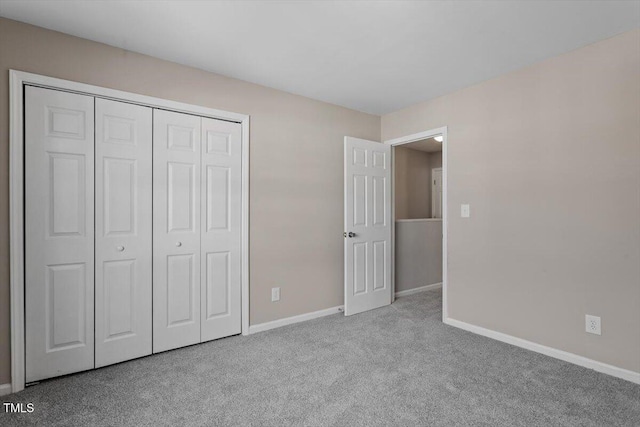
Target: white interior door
x=367, y=219
x=59, y=233
x=436, y=193
x=123, y=231
x=176, y=230
x=221, y=224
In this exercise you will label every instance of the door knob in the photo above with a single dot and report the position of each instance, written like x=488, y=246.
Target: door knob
x=350, y=234
x=178, y=244
x=120, y=248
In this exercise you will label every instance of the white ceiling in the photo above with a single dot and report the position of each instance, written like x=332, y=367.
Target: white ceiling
x=375, y=57
x=428, y=145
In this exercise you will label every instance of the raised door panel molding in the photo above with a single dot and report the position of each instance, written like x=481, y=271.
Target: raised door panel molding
x=67, y=194
x=218, y=197
x=181, y=138
x=120, y=196
x=379, y=197
x=359, y=156
x=180, y=289
x=360, y=263
x=120, y=299
x=380, y=160
x=380, y=260
x=66, y=286
x=65, y=123
x=218, y=142
x=181, y=209
x=119, y=130
x=218, y=285
x=359, y=200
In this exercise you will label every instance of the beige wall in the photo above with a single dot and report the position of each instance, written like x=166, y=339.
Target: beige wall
x=418, y=253
x=412, y=181
x=548, y=157
x=435, y=160
x=296, y=163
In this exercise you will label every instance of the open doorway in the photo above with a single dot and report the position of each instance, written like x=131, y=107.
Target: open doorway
x=419, y=212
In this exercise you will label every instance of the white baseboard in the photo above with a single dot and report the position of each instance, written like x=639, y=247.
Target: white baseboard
x=5, y=389
x=420, y=289
x=549, y=351
x=295, y=319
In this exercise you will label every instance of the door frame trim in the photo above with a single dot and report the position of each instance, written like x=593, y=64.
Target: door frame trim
x=17, y=81
x=445, y=172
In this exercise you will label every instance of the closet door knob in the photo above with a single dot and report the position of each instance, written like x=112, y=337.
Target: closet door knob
x=178, y=244
x=120, y=248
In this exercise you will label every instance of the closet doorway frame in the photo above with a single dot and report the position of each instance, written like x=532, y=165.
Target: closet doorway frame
x=445, y=173
x=17, y=81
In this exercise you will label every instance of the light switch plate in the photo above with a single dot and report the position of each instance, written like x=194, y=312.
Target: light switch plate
x=464, y=211
x=275, y=294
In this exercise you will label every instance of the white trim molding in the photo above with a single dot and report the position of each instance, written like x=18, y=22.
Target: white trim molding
x=245, y=226
x=5, y=389
x=604, y=368
x=445, y=223
x=420, y=220
x=261, y=327
x=17, y=81
x=417, y=290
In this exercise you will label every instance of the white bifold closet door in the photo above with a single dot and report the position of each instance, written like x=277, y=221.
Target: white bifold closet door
x=59, y=233
x=221, y=229
x=123, y=191
x=132, y=231
x=176, y=230
x=196, y=229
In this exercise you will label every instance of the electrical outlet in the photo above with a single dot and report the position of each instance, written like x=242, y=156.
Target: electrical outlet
x=275, y=294
x=592, y=324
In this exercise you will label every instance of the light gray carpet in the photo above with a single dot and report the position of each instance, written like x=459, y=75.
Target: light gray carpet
x=398, y=365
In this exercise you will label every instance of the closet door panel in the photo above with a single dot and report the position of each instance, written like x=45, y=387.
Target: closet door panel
x=123, y=231
x=221, y=229
x=176, y=230
x=59, y=233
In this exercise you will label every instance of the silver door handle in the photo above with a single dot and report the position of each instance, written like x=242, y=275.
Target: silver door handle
x=120, y=248
x=350, y=234
x=178, y=244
